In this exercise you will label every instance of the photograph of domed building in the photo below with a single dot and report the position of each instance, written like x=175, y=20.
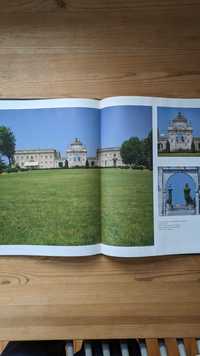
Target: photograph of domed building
x=178, y=132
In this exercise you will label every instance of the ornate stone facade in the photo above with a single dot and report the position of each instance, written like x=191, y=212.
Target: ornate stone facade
x=109, y=157
x=37, y=158
x=76, y=154
x=179, y=136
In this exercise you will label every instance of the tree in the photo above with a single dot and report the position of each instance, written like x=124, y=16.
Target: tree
x=7, y=143
x=132, y=151
x=87, y=165
x=167, y=147
x=2, y=165
x=148, y=155
x=193, y=149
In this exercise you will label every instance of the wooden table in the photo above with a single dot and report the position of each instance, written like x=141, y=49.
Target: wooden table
x=91, y=48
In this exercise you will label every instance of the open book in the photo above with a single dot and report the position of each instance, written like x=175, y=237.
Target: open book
x=119, y=176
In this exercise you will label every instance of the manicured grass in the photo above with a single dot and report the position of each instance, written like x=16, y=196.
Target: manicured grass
x=179, y=154
x=54, y=207
x=62, y=207
x=127, y=207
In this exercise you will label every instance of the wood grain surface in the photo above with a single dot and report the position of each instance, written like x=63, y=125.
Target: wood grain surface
x=96, y=49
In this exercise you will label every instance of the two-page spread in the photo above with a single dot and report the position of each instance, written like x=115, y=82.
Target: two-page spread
x=118, y=176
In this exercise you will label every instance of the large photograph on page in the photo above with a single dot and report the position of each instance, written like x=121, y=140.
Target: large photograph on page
x=49, y=183
x=126, y=177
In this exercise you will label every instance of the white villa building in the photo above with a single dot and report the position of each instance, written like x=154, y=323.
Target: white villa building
x=37, y=158
x=179, y=136
x=76, y=156
x=109, y=157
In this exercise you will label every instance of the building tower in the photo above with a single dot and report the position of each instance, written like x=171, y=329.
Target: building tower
x=180, y=134
x=76, y=154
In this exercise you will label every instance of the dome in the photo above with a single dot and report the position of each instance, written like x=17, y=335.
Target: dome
x=180, y=118
x=77, y=145
x=76, y=142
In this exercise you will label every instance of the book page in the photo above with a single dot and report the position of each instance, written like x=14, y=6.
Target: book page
x=177, y=175
x=49, y=183
x=151, y=209
x=127, y=177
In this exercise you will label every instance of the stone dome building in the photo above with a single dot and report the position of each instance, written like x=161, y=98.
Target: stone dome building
x=179, y=136
x=76, y=154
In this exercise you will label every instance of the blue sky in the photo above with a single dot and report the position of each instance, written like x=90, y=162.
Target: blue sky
x=54, y=128
x=57, y=128
x=166, y=114
x=177, y=183
x=119, y=123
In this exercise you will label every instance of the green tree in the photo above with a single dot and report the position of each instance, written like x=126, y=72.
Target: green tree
x=167, y=147
x=7, y=143
x=193, y=147
x=2, y=165
x=132, y=151
x=148, y=155
x=87, y=165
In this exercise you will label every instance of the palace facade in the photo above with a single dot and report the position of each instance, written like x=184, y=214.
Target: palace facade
x=179, y=136
x=76, y=156
x=109, y=157
x=37, y=158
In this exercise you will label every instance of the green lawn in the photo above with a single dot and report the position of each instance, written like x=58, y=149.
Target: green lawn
x=52, y=207
x=179, y=154
x=62, y=207
x=127, y=207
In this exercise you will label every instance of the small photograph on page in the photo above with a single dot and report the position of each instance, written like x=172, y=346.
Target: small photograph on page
x=126, y=175
x=178, y=191
x=178, y=132
x=49, y=184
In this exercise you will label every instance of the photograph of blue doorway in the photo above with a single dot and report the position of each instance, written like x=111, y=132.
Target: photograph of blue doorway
x=178, y=190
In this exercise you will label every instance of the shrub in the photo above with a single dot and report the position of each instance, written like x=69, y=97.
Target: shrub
x=138, y=166
x=2, y=165
x=24, y=169
x=11, y=170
